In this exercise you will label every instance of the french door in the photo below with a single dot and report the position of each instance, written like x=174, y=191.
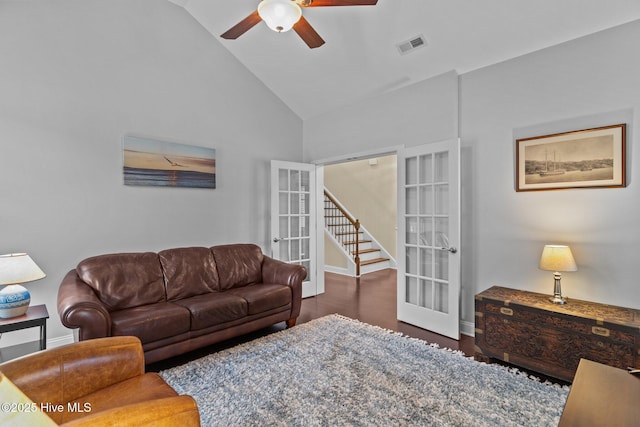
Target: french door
x=429, y=237
x=294, y=222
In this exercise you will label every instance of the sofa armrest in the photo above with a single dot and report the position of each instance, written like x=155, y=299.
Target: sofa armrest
x=79, y=307
x=276, y=271
x=62, y=374
x=166, y=412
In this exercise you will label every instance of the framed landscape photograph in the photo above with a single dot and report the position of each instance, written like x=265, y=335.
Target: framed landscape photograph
x=579, y=159
x=167, y=164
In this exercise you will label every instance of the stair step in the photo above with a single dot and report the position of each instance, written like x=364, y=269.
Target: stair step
x=373, y=261
x=366, y=251
x=347, y=233
x=353, y=242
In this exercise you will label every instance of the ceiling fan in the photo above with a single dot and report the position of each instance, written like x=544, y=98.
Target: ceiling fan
x=282, y=15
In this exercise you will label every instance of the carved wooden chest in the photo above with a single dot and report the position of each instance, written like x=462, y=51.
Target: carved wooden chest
x=527, y=330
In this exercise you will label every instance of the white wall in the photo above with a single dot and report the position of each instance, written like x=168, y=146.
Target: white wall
x=589, y=82
x=77, y=75
x=423, y=112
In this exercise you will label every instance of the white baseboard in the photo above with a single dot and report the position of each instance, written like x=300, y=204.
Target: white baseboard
x=337, y=270
x=60, y=341
x=467, y=328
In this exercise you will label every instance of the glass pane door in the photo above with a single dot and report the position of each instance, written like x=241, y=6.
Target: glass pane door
x=429, y=284
x=427, y=219
x=293, y=207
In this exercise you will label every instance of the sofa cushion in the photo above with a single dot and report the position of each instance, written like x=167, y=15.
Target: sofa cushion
x=238, y=265
x=214, y=309
x=188, y=272
x=263, y=297
x=124, y=280
x=151, y=322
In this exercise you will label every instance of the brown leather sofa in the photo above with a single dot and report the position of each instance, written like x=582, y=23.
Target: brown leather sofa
x=180, y=299
x=97, y=382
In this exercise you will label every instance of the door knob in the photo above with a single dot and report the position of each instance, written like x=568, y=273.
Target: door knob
x=450, y=249
x=277, y=239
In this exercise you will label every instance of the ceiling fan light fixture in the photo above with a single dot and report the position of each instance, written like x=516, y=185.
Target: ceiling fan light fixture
x=279, y=15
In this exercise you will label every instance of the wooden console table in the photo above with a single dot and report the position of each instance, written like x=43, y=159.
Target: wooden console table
x=602, y=396
x=526, y=329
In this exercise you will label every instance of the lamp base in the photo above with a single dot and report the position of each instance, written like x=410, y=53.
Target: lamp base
x=14, y=301
x=557, y=297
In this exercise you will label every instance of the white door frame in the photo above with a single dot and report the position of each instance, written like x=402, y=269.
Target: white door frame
x=397, y=149
x=362, y=155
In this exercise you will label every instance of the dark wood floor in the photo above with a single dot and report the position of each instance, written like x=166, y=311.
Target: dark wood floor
x=372, y=300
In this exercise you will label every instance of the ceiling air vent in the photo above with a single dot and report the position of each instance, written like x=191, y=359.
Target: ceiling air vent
x=411, y=45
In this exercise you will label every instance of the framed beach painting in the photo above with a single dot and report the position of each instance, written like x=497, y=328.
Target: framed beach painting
x=167, y=164
x=579, y=159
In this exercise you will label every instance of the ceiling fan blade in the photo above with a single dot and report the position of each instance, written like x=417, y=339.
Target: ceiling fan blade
x=242, y=27
x=320, y=3
x=307, y=33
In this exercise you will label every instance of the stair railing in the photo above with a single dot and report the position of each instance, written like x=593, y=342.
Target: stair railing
x=342, y=224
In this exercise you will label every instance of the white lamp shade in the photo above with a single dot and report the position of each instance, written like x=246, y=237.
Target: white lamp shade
x=31, y=415
x=279, y=15
x=557, y=258
x=18, y=268
x=15, y=269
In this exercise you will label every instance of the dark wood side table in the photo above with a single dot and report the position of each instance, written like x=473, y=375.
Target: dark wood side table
x=602, y=395
x=36, y=315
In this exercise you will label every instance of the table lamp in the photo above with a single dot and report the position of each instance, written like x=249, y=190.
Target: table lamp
x=557, y=258
x=19, y=410
x=16, y=269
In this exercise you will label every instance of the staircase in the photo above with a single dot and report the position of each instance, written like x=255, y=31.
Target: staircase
x=363, y=252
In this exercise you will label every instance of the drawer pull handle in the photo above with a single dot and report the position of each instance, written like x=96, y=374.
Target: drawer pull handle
x=603, y=332
x=507, y=311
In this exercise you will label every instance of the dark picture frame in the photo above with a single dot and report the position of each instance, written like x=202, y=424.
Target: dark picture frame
x=584, y=158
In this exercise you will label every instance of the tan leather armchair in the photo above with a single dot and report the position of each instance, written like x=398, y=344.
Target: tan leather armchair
x=99, y=382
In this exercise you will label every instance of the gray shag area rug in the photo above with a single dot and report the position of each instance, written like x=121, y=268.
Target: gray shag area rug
x=336, y=371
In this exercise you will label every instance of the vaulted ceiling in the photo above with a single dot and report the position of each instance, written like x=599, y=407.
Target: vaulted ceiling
x=360, y=58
